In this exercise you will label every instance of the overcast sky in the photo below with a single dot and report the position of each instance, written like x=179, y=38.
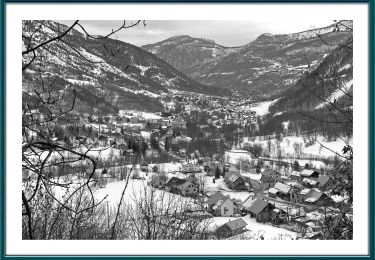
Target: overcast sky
x=227, y=33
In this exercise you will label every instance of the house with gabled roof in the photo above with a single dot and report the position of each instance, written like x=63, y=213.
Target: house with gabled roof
x=236, y=181
x=232, y=228
x=157, y=181
x=261, y=210
x=220, y=205
x=310, y=183
x=279, y=216
x=309, y=174
x=325, y=183
x=144, y=167
x=283, y=190
x=273, y=192
x=271, y=173
x=303, y=194
x=319, y=198
x=267, y=181
x=181, y=186
x=245, y=206
x=294, y=175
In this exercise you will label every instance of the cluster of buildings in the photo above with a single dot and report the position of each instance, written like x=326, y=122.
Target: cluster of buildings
x=305, y=187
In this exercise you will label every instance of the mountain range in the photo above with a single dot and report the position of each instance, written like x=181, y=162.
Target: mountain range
x=106, y=73
x=264, y=68
x=110, y=75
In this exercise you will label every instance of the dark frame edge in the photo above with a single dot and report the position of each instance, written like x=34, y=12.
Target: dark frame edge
x=2, y=129
x=371, y=128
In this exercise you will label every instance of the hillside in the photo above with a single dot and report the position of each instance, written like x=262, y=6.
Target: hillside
x=322, y=100
x=331, y=81
x=107, y=74
x=265, y=67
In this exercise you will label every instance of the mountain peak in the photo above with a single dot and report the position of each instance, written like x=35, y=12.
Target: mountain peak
x=180, y=37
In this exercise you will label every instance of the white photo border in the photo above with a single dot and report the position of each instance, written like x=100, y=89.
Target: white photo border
x=17, y=12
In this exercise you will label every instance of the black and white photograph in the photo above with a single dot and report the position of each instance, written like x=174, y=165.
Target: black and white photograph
x=187, y=130
x=161, y=129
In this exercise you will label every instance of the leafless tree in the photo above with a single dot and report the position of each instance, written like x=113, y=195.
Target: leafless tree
x=336, y=225
x=45, y=158
x=155, y=214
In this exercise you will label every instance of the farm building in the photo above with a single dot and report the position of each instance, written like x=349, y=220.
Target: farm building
x=261, y=210
x=232, y=228
x=236, y=182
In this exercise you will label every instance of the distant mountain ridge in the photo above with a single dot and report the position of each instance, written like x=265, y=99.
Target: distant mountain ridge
x=184, y=52
x=265, y=67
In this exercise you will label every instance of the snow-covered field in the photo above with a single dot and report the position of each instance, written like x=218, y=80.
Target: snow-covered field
x=134, y=191
x=261, y=108
x=234, y=156
x=293, y=145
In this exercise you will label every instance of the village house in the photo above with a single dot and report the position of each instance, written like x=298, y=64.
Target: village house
x=267, y=182
x=245, y=206
x=294, y=175
x=279, y=216
x=236, y=181
x=273, y=192
x=211, y=167
x=220, y=205
x=309, y=174
x=232, y=228
x=304, y=226
x=158, y=181
x=283, y=190
x=272, y=173
x=190, y=168
x=103, y=140
x=325, y=183
x=319, y=198
x=261, y=210
x=134, y=120
x=309, y=183
x=230, y=168
x=303, y=194
x=295, y=196
x=144, y=167
x=153, y=120
x=181, y=186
